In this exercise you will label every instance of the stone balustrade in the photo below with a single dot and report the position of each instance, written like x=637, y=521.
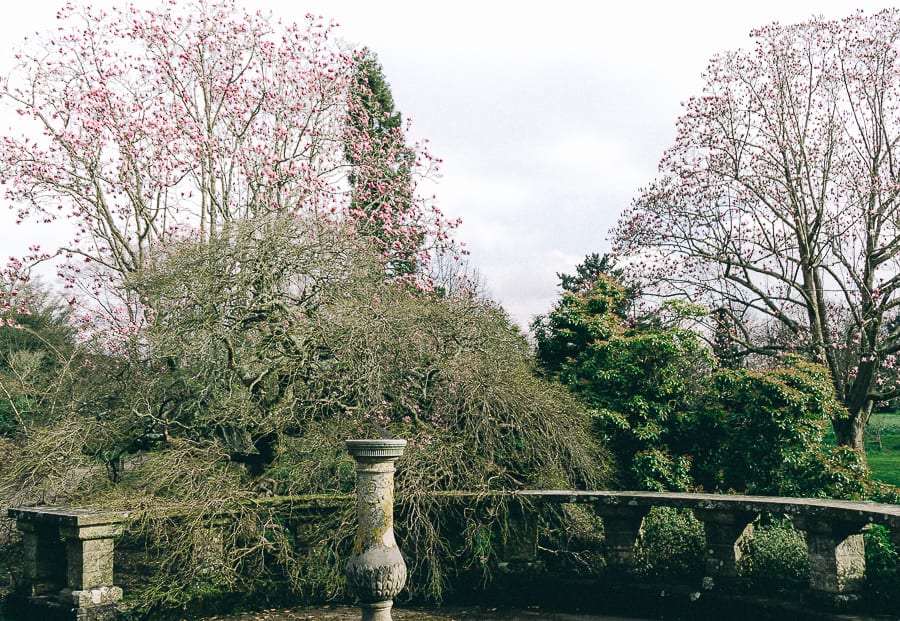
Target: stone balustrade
x=68, y=553
x=833, y=530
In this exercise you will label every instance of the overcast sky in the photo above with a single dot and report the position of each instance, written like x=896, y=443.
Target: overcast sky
x=549, y=116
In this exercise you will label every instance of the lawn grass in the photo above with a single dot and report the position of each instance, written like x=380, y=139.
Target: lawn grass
x=884, y=457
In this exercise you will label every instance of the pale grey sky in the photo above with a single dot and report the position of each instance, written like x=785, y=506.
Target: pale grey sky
x=548, y=115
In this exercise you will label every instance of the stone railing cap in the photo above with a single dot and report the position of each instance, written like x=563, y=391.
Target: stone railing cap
x=819, y=508
x=383, y=447
x=67, y=516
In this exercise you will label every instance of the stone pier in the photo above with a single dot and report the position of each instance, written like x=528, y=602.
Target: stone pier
x=68, y=558
x=621, y=528
x=725, y=532
x=837, y=560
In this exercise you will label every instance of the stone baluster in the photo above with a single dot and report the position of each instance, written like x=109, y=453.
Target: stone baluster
x=376, y=571
x=621, y=527
x=725, y=532
x=895, y=537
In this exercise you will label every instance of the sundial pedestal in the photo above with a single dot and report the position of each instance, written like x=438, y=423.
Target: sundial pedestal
x=376, y=571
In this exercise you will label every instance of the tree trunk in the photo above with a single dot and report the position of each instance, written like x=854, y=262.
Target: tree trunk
x=849, y=431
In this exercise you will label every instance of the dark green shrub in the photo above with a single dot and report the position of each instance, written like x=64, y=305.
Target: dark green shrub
x=882, y=565
x=638, y=380
x=671, y=545
x=773, y=424
x=775, y=557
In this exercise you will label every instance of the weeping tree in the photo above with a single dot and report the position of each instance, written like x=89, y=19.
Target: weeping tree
x=777, y=205
x=271, y=344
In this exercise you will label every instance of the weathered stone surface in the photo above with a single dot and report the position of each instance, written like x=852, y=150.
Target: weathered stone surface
x=622, y=526
x=520, y=542
x=725, y=533
x=377, y=574
x=208, y=547
x=92, y=597
x=376, y=571
x=812, y=508
x=66, y=516
x=90, y=563
x=377, y=611
x=837, y=562
x=69, y=562
x=43, y=553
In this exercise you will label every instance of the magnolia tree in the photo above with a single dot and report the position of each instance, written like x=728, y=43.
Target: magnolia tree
x=141, y=127
x=777, y=206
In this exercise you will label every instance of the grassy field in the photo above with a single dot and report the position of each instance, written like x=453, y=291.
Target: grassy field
x=883, y=447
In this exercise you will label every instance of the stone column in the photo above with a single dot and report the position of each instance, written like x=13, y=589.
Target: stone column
x=621, y=528
x=725, y=532
x=69, y=562
x=208, y=547
x=837, y=560
x=89, y=559
x=376, y=571
x=43, y=556
x=520, y=541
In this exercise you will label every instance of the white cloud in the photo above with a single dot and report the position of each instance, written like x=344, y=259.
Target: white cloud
x=532, y=286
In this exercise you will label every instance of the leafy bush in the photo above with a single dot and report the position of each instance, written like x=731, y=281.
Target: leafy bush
x=882, y=565
x=656, y=470
x=770, y=426
x=638, y=380
x=775, y=557
x=671, y=545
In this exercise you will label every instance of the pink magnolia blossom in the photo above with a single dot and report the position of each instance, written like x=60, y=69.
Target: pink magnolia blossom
x=777, y=205
x=146, y=126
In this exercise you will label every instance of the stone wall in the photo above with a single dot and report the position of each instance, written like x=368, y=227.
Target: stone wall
x=68, y=553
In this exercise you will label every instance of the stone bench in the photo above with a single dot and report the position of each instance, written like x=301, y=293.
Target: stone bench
x=68, y=562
